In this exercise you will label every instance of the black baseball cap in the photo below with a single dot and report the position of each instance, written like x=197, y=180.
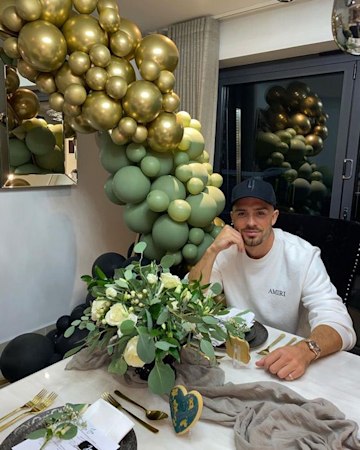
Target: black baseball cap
x=254, y=187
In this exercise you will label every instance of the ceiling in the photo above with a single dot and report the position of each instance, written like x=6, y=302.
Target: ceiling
x=154, y=15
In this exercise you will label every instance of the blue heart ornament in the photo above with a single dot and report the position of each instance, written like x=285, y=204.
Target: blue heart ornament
x=185, y=408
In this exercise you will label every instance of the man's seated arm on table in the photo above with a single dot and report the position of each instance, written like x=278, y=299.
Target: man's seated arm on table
x=252, y=233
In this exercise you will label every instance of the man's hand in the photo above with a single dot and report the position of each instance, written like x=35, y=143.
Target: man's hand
x=227, y=237
x=289, y=362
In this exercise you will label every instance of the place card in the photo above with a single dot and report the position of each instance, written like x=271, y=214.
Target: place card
x=105, y=427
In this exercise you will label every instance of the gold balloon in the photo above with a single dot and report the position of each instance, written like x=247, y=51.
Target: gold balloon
x=118, y=137
x=79, y=124
x=297, y=91
x=42, y=45
x=120, y=67
x=316, y=143
x=134, y=32
x=276, y=95
x=218, y=222
x=46, y=83
x=100, y=55
x=321, y=130
x=75, y=94
x=140, y=135
x=127, y=126
x=322, y=118
x=11, y=119
x=101, y=111
x=160, y=49
x=71, y=110
x=109, y=20
x=11, y=19
x=142, y=101
x=55, y=11
x=64, y=77
x=56, y=101
x=25, y=103
x=102, y=4
x=11, y=48
x=149, y=70
x=311, y=106
x=277, y=121
x=96, y=78
x=121, y=43
x=82, y=32
x=27, y=70
x=4, y=4
x=85, y=6
x=12, y=81
x=170, y=102
x=166, y=81
x=300, y=123
x=165, y=132
x=79, y=62
x=28, y=10
x=116, y=87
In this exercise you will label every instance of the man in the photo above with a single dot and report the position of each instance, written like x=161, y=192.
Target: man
x=280, y=277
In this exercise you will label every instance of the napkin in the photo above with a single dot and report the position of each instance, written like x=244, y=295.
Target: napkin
x=105, y=427
x=248, y=316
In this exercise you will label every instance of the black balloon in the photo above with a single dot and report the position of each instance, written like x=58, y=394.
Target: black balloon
x=64, y=344
x=55, y=358
x=108, y=262
x=89, y=299
x=63, y=323
x=25, y=355
x=53, y=335
x=77, y=312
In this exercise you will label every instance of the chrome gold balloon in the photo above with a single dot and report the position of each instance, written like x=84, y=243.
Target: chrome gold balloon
x=25, y=103
x=101, y=111
x=85, y=6
x=100, y=55
x=11, y=48
x=79, y=62
x=12, y=81
x=96, y=78
x=166, y=81
x=120, y=67
x=277, y=121
x=4, y=4
x=71, y=110
x=11, y=119
x=42, y=45
x=297, y=91
x=27, y=70
x=276, y=95
x=149, y=70
x=165, y=132
x=321, y=130
x=121, y=44
x=311, y=106
x=130, y=28
x=102, y=4
x=160, y=49
x=75, y=94
x=11, y=19
x=82, y=32
x=170, y=102
x=28, y=10
x=142, y=101
x=64, y=77
x=301, y=123
x=127, y=126
x=79, y=124
x=46, y=83
x=140, y=135
x=109, y=20
x=118, y=137
x=316, y=143
x=116, y=87
x=55, y=11
x=56, y=101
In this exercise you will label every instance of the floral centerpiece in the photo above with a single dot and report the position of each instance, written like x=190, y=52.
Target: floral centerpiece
x=145, y=314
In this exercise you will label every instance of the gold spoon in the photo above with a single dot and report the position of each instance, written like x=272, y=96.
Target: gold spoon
x=152, y=414
x=266, y=350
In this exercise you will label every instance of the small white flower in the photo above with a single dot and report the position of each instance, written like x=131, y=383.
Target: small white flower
x=130, y=353
x=98, y=309
x=151, y=278
x=170, y=281
x=110, y=292
x=174, y=305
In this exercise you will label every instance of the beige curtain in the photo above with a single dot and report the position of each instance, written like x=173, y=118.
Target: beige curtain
x=197, y=73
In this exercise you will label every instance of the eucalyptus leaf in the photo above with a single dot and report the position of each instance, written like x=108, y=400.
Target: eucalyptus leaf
x=216, y=288
x=71, y=431
x=146, y=348
x=163, y=316
x=207, y=348
x=69, y=332
x=73, y=351
x=37, y=434
x=76, y=322
x=127, y=327
x=118, y=366
x=140, y=247
x=90, y=326
x=167, y=261
x=149, y=320
x=210, y=320
x=161, y=378
x=128, y=275
x=122, y=283
x=163, y=345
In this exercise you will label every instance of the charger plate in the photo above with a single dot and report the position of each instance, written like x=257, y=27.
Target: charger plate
x=129, y=442
x=257, y=335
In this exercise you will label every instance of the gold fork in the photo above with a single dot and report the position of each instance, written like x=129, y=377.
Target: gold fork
x=43, y=404
x=28, y=405
x=110, y=399
x=266, y=350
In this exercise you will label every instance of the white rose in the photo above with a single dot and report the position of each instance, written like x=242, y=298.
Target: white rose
x=116, y=315
x=170, y=281
x=151, y=278
x=110, y=292
x=98, y=309
x=130, y=354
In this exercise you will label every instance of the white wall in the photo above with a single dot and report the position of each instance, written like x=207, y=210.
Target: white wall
x=282, y=31
x=49, y=238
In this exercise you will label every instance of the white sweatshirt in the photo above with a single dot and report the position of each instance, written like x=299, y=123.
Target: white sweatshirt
x=288, y=288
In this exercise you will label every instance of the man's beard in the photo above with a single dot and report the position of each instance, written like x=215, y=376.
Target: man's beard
x=253, y=241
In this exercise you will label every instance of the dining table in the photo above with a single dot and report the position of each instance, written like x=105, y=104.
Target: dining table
x=334, y=378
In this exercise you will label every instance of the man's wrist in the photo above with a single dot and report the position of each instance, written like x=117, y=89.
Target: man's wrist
x=313, y=347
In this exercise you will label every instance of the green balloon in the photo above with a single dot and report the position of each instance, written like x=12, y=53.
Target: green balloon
x=130, y=185
x=110, y=193
x=151, y=251
x=27, y=169
x=112, y=156
x=196, y=236
x=18, y=153
x=215, y=231
x=179, y=210
x=166, y=161
x=158, y=201
x=199, y=171
x=218, y=196
x=177, y=257
x=197, y=143
x=216, y=180
x=208, y=240
x=203, y=209
x=139, y=218
x=135, y=152
x=168, y=234
x=190, y=252
x=52, y=161
x=40, y=140
x=171, y=186
x=150, y=165
x=181, y=158
x=183, y=173
x=194, y=186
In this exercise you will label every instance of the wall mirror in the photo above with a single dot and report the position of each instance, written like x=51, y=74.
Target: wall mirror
x=37, y=149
